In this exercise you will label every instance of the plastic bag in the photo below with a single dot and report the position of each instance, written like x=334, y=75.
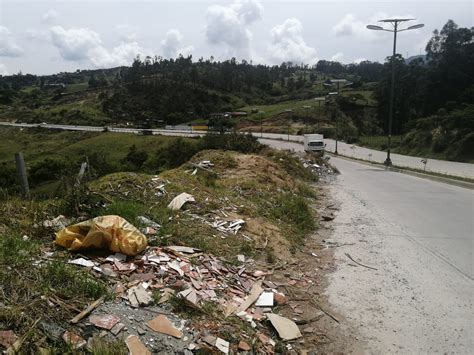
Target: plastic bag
x=113, y=233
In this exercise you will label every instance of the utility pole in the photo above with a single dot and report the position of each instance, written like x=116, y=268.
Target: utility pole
x=338, y=83
x=394, y=22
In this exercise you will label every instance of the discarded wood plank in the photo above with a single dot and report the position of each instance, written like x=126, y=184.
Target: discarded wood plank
x=368, y=267
x=88, y=310
x=252, y=297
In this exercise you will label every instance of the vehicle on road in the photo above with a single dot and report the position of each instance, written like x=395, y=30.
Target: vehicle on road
x=314, y=143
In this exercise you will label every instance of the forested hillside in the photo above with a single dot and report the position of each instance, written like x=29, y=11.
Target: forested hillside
x=433, y=95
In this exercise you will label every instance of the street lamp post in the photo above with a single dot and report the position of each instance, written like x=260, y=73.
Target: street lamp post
x=394, y=22
x=290, y=114
x=338, y=83
x=319, y=99
x=307, y=115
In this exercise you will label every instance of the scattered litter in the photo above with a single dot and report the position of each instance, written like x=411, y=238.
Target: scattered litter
x=138, y=296
x=162, y=324
x=181, y=249
x=232, y=226
x=244, y=346
x=180, y=200
x=106, y=321
x=81, y=262
x=116, y=257
x=117, y=328
x=112, y=232
x=148, y=222
x=74, y=340
x=58, y=223
x=286, y=328
x=252, y=297
x=135, y=346
x=222, y=345
x=265, y=300
x=7, y=338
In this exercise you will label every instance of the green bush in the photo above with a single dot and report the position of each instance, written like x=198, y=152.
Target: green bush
x=243, y=143
x=135, y=157
x=49, y=169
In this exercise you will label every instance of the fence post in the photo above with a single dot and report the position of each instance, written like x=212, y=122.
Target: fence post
x=21, y=169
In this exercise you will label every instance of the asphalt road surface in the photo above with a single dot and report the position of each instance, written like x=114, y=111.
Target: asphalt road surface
x=418, y=234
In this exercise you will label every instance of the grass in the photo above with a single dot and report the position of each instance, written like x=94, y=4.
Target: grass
x=270, y=111
x=378, y=142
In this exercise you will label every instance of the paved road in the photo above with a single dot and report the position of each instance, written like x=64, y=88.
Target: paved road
x=419, y=235
x=438, y=166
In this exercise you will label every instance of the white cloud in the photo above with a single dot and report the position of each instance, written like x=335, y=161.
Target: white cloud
x=126, y=32
x=288, y=44
x=85, y=45
x=337, y=57
x=359, y=60
x=49, y=16
x=8, y=46
x=36, y=35
x=350, y=25
x=228, y=25
x=171, y=45
x=3, y=69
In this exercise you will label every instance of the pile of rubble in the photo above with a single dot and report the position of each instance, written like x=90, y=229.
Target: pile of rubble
x=195, y=278
x=322, y=170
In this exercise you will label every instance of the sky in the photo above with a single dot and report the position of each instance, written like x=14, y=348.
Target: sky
x=46, y=37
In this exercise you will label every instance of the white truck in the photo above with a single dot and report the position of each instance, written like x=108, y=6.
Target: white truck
x=314, y=143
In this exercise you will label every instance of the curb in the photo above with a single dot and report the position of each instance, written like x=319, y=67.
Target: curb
x=446, y=180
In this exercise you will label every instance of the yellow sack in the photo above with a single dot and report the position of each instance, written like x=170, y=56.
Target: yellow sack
x=105, y=232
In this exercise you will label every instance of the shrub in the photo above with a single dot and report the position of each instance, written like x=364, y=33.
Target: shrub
x=243, y=143
x=48, y=169
x=135, y=157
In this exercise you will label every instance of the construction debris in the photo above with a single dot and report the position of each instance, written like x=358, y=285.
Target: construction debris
x=222, y=345
x=244, y=346
x=265, y=300
x=286, y=328
x=180, y=200
x=106, y=321
x=81, y=262
x=138, y=296
x=162, y=324
x=7, y=338
x=74, y=340
x=232, y=226
x=135, y=346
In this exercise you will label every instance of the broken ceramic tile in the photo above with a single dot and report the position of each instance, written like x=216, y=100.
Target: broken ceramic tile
x=265, y=300
x=106, y=321
x=135, y=346
x=162, y=324
x=286, y=328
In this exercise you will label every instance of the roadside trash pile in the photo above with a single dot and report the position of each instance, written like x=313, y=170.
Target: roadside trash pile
x=150, y=278
x=195, y=278
x=322, y=169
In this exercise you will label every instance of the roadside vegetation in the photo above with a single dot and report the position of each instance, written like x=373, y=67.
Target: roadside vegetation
x=270, y=190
